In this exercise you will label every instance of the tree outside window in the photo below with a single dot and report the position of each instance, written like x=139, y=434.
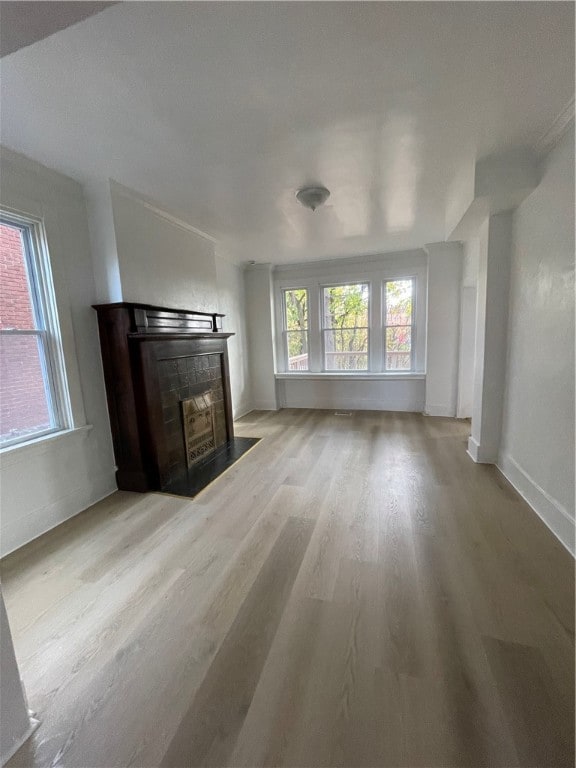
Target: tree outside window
x=398, y=324
x=296, y=328
x=345, y=327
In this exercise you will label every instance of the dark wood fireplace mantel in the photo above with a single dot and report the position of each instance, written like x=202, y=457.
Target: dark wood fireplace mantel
x=154, y=360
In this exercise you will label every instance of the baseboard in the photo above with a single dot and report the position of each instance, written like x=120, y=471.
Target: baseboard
x=550, y=511
x=355, y=404
x=477, y=454
x=264, y=405
x=34, y=723
x=242, y=411
x=55, y=514
x=440, y=410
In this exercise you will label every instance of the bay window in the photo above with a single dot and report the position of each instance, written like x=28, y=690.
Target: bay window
x=336, y=321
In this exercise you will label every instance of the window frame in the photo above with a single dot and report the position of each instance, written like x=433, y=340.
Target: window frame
x=323, y=330
x=412, y=326
x=375, y=270
x=286, y=331
x=47, y=330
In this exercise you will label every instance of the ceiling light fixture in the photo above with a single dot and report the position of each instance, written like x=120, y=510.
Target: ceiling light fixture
x=312, y=197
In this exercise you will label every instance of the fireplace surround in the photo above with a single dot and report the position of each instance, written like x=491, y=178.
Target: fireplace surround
x=168, y=390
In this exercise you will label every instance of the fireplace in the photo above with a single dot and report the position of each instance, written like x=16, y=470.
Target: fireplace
x=168, y=390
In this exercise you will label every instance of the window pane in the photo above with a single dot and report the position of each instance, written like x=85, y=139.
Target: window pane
x=346, y=349
x=346, y=306
x=23, y=399
x=296, y=306
x=297, y=350
x=398, y=348
x=15, y=300
x=399, y=302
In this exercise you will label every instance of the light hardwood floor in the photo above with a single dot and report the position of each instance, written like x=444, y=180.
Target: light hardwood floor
x=354, y=592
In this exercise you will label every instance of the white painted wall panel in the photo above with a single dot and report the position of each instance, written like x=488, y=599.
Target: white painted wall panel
x=261, y=335
x=537, y=450
x=232, y=302
x=443, y=327
x=401, y=395
x=160, y=261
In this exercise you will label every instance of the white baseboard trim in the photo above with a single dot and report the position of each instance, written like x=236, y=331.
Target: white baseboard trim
x=473, y=449
x=54, y=514
x=265, y=405
x=440, y=410
x=350, y=404
x=477, y=454
x=243, y=412
x=34, y=723
x=550, y=511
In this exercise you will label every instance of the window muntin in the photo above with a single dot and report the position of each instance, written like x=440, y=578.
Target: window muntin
x=295, y=306
x=345, y=326
x=29, y=343
x=398, y=324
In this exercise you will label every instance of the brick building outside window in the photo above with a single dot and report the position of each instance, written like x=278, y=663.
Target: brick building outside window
x=29, y=345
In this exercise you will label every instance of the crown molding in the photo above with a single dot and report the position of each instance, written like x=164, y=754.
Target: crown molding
x=160, y=212
x=556, y=131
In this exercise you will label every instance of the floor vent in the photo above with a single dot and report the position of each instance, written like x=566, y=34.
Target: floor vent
x=342, y=413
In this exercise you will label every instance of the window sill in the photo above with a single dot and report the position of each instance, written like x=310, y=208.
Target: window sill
x=359, y=376
x=13, y=454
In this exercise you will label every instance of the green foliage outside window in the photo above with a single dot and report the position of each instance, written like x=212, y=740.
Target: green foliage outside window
x=399, y=305
x=296, y=309
x=346, y=326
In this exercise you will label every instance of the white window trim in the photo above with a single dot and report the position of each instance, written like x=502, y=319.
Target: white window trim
x=46, y=316
x=376, y=274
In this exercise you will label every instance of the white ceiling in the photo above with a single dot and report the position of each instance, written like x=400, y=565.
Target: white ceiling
x=220, y=111
x=25, y=22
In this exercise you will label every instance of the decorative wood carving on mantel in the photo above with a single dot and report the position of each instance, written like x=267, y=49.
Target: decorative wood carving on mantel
x=154, y=360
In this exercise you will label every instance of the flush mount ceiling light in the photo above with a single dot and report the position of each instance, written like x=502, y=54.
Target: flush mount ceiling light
x=312, y=197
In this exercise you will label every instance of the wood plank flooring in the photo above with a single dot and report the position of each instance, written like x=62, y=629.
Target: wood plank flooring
x=354, y=592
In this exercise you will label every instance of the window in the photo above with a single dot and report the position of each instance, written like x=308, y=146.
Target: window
x=368, y=324
x=296, y=328
x=345, y=327
x=398, y=324
x=32, y=399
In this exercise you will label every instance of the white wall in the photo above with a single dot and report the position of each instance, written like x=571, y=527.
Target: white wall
x=164, y=261
x=443, y=327
x=490, y=346
x=466, y=355
x=47, y=481
x=398, y=394
x=232, y=303
x=261, y=335
x=537, y=450
x=466, y=352
x=106, y=270
x=15, y=725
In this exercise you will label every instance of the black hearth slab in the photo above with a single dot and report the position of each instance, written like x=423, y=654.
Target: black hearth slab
x=203, y=473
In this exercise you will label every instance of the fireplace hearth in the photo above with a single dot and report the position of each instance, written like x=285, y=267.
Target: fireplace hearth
x=168, y=390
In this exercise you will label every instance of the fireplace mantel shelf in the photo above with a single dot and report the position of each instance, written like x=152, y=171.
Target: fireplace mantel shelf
x=179, y=335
